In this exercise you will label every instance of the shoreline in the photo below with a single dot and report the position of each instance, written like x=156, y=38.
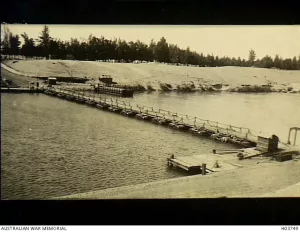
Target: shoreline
x=240, y=182
x=144, y=76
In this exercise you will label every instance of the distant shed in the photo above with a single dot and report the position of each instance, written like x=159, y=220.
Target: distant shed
x=52, y=81
x=107, y=79
x=268, y=144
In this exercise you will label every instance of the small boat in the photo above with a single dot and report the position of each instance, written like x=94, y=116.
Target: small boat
x=80, y=100
x=114, y=109
x=128, y=113
x=194, y=130
x=90, y=102
x=72, y=98
x=182, y=126
x=203, y=132
x=156, y=119
x=102, y=106
x=143, y=116
x=131, y=113
x=69, y=97
x=172, y=124
x=164, y=121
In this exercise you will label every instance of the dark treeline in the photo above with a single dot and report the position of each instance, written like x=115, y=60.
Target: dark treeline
x=95, y=48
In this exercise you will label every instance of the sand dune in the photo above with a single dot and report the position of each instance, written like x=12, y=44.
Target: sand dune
x=129, y=73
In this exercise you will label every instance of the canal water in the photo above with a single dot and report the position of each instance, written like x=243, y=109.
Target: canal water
x=264, y=113
x=51, y=147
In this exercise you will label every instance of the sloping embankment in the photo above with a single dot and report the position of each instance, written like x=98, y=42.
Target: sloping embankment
x=290, y=191
x=253, y=181
x=153, y=73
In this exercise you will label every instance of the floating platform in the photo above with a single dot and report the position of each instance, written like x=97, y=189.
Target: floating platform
x=20, y=90
x=193, y=164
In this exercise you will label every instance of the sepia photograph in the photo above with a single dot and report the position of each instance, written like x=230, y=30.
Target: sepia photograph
x=149, y=111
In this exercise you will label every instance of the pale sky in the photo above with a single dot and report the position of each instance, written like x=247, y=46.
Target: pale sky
x=231, y=41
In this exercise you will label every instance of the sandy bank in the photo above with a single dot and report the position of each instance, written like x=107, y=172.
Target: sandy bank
x=16, y=78
x=290, y=191
x=128, y=73
x=261, y=178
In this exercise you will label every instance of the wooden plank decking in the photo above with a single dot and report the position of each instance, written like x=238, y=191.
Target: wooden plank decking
x=186, y=122
x=194, y=163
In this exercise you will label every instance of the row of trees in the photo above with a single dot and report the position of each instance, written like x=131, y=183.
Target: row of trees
x=101, y=48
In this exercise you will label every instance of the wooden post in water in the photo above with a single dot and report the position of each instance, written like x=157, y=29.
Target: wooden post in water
x=289, y=141
x=203, y=169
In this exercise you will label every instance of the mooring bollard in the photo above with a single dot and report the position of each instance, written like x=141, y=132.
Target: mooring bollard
x=203, y=169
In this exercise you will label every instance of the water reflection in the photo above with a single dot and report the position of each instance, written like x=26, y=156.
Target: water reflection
x=268, y=113
x=51, y=147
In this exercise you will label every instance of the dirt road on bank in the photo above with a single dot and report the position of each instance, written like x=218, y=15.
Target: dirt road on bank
x=22, y=81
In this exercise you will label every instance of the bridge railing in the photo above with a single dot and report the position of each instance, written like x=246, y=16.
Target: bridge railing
x=196, y=122
x=202, y=123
